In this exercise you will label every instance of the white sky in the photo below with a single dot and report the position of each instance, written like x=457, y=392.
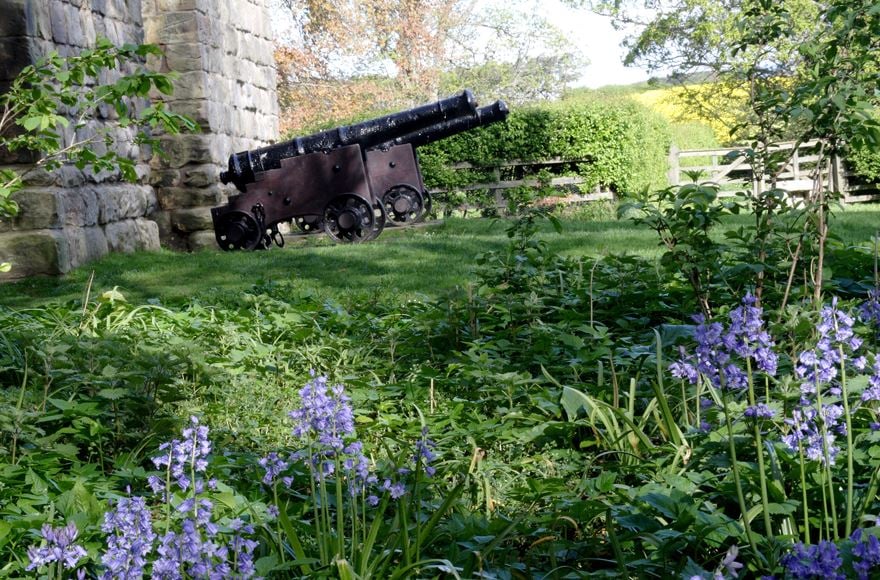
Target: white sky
x=598, y=42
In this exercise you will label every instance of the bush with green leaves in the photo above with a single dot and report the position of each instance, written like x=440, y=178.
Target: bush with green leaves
x=621, y=146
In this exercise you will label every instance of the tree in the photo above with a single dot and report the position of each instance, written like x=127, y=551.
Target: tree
x=341, y=59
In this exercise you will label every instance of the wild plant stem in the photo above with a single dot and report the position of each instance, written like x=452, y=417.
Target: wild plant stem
x=804, y=495
x=736, y=480
x=759, y=448
x=849, y=443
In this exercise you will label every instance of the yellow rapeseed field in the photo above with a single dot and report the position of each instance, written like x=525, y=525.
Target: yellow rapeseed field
x=669, y=103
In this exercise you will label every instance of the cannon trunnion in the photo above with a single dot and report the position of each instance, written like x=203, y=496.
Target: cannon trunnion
x=346, y=182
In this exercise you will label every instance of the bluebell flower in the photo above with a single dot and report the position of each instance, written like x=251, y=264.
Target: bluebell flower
x=759, y=411
x=866, y=553
x=274, y=466
x=424, y=453
x=130, y=538
x=806, y=432
x=713, y=356
x=182, y=456
x=820, y=560
x=59, y=547
x=872, y=393
x=869, y=311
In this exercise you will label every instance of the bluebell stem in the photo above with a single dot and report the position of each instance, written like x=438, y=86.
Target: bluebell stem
x=60, y=547
x=820, y=560
x=130, y=538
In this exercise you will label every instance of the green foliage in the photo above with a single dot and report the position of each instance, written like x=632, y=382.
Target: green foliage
x=53, y=103
x=620, y=146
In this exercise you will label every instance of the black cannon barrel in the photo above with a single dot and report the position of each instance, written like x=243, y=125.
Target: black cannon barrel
x=246, y=165
x=493, y=113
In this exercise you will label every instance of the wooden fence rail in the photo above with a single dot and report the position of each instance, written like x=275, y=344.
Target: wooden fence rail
x=498, y=186
x=726, y=166
x=729, y=167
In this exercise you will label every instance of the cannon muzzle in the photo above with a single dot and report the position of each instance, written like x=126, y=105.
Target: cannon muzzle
x=493, y=113
x=246, y=166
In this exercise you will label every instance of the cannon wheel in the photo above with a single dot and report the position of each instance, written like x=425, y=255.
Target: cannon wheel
x=309, y=224
x=349, y=218
x=403, y=204
x=239, y=230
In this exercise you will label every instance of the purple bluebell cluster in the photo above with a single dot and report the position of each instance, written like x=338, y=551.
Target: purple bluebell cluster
x=424, y=454
x=872, y=393
x=869, y=311
x=806, y=432
x=183, y=457
x=713, y=357
x=815, y=427
x=59, y=547
x=836, y=343
x=325, y=421
x=866, y=554
x=274, y=467
x=130, y=537
x=759, y=411
x=325, y=414
x=820, y=560
x=823, y=560
x=197, y=547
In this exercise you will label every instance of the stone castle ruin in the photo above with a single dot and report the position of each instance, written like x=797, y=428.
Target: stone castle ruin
x=222, y=53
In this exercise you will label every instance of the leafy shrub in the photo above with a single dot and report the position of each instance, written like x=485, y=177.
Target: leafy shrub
x=621, y=145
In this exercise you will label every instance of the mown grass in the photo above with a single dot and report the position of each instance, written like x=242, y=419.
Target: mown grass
x=399, y=265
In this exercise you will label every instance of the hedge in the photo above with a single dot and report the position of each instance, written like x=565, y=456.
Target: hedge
x=618, y=145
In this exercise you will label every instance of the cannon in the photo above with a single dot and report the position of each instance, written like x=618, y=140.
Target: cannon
x=348, y=181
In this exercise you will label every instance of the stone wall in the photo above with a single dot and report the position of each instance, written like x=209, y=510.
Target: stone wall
x=222, y=52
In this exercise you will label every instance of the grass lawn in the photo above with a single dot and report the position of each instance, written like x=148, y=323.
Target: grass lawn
x=400, y=264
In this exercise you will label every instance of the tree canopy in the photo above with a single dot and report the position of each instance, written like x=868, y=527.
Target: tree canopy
x=342, y=59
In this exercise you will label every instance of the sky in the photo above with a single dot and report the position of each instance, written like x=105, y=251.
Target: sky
x=598, y=42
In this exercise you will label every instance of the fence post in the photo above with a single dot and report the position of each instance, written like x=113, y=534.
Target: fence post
x=674, y=175
x=838, y=176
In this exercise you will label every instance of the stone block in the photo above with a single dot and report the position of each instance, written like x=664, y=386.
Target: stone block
x=79, y=207
x=171, y=198
x=84, y=245
x=162, y=219
x=132, y=235
x=192, y=220
x=14, y=21
x=181, y=150
x=38, y=209
x=203, y=240
x=33, y=253
x=58, y=19
x=174, y=27
x=14, y=56
x=124, y=201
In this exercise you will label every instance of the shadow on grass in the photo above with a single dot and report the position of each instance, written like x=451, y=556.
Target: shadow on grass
x=401, y=264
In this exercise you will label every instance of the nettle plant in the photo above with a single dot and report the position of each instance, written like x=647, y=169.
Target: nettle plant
x=45, y=113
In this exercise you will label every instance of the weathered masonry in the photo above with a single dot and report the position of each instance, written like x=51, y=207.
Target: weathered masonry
x=222, y=52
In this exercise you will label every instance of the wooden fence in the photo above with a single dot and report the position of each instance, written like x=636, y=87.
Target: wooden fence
x=730, y=168
x=727, y=167
x=498, y=186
